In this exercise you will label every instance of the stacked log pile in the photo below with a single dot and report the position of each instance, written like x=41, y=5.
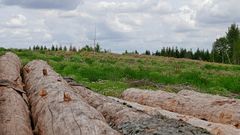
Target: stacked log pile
x=14, y=112
x=60, y=106
x=213, y=128
x=129, y=120
x=56, y=109
x=203, y=106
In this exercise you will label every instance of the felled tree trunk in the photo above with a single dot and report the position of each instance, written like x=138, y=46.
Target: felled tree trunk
x=14, y=112
x=131, y=121
x=56, y=109
x=213, y=128
x=207, y=107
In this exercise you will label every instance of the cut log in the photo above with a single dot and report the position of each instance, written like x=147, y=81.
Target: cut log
x=213, y=128
x=203, y=106
x=132, y=121
x=14, y=112
x=56, y=109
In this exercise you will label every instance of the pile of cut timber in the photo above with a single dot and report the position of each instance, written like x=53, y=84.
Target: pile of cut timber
x=213, y=128
x=204, y=106
x=56, y=109
x=60, y=106
x=121, y=112
x=14, y=112
x=130, y=120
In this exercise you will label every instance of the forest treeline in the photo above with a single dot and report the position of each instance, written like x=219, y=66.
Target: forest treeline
x=225, y=49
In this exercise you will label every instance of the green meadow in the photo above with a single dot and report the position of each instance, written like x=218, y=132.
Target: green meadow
x=110, y=74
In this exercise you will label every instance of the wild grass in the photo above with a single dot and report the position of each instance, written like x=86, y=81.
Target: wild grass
x=110, y=74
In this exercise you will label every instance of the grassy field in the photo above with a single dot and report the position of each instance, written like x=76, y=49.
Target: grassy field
x=110, y=74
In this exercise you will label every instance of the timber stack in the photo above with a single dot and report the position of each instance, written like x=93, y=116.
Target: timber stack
x=44, y=103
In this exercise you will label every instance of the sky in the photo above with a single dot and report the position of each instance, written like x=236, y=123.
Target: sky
x=120, y=24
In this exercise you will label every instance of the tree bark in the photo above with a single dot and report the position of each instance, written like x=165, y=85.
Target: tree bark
x=56, y=109
x=14, y=112
x=203, y=106
x=129, y=120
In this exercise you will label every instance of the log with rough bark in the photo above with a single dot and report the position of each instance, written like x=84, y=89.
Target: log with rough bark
x=14, y=112
x=131, y=121
x=203, y=106
x=56, y=109
x=213, y=128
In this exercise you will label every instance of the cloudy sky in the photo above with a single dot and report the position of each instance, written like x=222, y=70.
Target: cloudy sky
x=120, y=24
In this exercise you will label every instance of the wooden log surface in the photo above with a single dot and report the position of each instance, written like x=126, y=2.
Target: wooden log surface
x=203, y=106
x=213, y=128
x=14, y=111
x=56, y=109
x=129, y=120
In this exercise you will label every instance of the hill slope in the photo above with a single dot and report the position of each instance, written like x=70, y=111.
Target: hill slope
x=110, y=74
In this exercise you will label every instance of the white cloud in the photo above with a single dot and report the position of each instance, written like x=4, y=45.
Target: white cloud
x=17, y=21
x=163, y=6
x=121, y=24
x=219, y=11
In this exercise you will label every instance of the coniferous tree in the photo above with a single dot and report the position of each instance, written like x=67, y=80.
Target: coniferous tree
x=56, y=48
x=65, y=48
x=52, y=48
x=70, y=48
x=177, y=54
x=60, y=48
x=147, y=52
x=157, y=53
x=74, y=49
x=97, y=48
x=37, y=47
x=163, y=51
x=136, y=52
x=233, y=36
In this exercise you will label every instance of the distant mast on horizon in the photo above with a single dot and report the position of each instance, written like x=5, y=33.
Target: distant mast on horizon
x=95, y=36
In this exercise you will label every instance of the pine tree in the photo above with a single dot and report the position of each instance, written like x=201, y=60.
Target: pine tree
x=70, y=48
x=157, y=53
x=147, y=52
x=97, y=48
x=37, y=47
x=56, y=48
x=233, y=36
x=177, y=54
x=52, y=48
x=74, y=49
x=136, y=52
x=65, y=48
x=60, y=48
